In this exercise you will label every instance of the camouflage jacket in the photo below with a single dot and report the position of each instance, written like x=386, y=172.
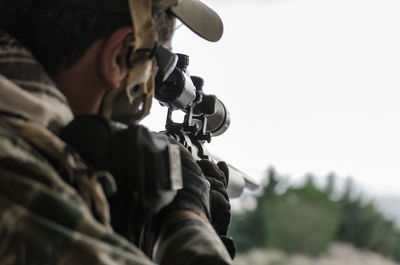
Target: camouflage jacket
x=47, y=213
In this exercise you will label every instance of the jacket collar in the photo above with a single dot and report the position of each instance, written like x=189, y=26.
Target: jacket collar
x=26, y=90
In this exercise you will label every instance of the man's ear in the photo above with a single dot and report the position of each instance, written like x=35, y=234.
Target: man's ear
x=113, y=65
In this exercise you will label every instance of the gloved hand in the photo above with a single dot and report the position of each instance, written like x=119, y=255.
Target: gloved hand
x=194, y=197
x=220, y=208
x=195, y=194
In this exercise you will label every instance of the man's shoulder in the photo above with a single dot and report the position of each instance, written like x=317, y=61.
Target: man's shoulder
x=15, y=148
x=46, y=217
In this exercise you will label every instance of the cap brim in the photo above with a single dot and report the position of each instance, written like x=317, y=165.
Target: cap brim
x=194, y=14
x=199, y=18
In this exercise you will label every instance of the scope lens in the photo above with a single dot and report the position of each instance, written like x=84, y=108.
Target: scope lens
x=218, y=122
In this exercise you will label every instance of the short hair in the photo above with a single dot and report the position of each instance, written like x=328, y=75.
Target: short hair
x=58, y=36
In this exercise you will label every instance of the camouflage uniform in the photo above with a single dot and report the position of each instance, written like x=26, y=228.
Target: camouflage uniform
x=49, y=197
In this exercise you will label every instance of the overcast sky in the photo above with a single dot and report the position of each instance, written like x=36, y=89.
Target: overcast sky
x=312, y=86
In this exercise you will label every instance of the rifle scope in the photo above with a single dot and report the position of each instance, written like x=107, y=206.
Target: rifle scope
x=177, y=91
x=180, y=91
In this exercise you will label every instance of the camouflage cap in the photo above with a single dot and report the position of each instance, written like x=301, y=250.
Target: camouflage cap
x=197, y=16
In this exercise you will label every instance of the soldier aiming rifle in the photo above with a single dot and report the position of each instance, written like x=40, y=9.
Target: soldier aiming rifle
x=72, y=179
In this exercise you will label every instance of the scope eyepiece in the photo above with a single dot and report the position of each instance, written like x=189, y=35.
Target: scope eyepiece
x=177, y=91
x=166, y=62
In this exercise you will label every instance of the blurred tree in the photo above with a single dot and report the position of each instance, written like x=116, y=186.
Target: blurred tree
x=302, y=220
x=306, y=219
x=249, y=228
x=330, y=184
x=310, y=180
x=348, y=189
x=365, y=227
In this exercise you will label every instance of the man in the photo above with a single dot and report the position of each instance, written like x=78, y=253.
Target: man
x=61, y=59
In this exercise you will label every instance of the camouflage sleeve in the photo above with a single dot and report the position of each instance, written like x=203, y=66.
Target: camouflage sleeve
x=26, y=238
x=191, y=242
x=43, y=220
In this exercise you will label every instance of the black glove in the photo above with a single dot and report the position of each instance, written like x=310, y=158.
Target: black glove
x=194, y=197
x=220, y=208
x=195, y=194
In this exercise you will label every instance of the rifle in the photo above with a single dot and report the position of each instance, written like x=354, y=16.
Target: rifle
x=205, y=117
